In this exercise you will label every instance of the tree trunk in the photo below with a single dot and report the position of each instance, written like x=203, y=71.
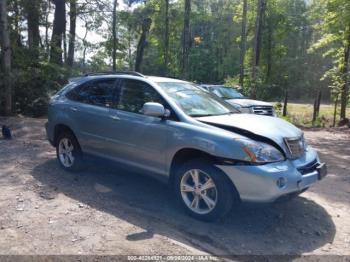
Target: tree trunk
x=129, y=27
x=146, y=25
x=335, y=109
x=345, y=87
x=166, y=37
x=314, y=114
x=85, y=46
x=59, y=25
x=261, y=27
x=269, y=53
x=114, y=35
x=130, y=60
x=16, y=22
x=64, y=41
x=285, y=104
x=72, y=28
x=317, y=104
x=257, y=44
x=243, y=42
x=6, y=56
x=47, y=25
x=32, y=11
x=186, y=41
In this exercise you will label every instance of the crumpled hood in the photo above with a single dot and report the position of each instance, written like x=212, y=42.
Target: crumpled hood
x=273, y=128
x=247, y=102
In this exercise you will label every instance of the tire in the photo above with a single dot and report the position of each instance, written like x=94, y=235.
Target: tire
x=70, y=158
x=223, y=195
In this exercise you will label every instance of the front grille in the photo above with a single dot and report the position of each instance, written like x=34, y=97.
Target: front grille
x=296, y=146
x=309, y=168
x=263, y=110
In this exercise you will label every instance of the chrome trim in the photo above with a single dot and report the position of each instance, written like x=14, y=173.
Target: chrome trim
x=263, y=110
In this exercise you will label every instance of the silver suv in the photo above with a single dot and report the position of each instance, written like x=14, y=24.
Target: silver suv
x=242, y=103
x=213, y=156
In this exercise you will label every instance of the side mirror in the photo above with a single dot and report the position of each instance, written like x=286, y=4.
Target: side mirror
x=154, y=109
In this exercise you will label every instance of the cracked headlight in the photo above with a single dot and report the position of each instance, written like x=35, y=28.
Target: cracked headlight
x=259, y=152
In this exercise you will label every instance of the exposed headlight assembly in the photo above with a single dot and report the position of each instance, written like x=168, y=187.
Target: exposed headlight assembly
x=259, y=152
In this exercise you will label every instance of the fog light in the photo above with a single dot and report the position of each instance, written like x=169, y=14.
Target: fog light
x=281, y=182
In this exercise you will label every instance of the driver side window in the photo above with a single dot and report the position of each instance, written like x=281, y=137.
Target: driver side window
x=133, y=95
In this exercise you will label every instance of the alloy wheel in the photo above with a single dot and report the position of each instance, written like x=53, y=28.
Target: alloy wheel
x=198, y=191
x=65, y=152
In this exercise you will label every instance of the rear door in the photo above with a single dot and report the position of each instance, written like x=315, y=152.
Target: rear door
x=90, y=110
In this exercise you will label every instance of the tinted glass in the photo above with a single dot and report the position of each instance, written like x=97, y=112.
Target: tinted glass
x=134, y=94
x=194, y=101
x=98, y=93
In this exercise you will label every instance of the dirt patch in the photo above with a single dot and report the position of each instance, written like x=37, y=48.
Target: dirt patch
x=108, y=210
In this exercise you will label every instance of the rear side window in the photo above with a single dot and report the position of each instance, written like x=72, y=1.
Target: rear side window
x=134, y=93
x=97, y=92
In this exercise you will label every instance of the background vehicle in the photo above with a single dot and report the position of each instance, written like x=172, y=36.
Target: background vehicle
x=235, y=98
x=191, y=139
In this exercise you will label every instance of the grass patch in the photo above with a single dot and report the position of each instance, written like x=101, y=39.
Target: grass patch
x=301, y=114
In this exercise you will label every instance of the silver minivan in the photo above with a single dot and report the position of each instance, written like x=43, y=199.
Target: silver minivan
x=213, y=156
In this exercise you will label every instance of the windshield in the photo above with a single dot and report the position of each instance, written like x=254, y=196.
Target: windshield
x=226, y=92
x=195, y=102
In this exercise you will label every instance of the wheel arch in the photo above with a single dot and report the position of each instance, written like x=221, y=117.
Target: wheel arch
x=186, y=154
x=59, y=128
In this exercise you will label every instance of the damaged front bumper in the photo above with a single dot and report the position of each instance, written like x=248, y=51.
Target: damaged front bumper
x=266, y=183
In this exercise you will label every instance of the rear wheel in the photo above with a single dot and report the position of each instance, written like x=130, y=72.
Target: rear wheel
x=68, y=152
x=204, y=190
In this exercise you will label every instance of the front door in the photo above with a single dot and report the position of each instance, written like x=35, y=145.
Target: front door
x=141, y=139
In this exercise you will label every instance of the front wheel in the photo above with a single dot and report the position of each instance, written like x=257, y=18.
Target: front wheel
x=68, y=152
x=204, y=191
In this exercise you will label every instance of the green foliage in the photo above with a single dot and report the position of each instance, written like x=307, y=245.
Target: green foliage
x=301, y=114
x=278, y=108
x=301, y=48
x=35, y=81
x=333, y=23
x=231, y=81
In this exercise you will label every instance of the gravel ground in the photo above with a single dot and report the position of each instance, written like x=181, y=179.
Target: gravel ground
x=107, y=210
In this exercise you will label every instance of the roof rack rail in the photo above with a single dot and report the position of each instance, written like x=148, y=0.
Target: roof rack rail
x=115, y=73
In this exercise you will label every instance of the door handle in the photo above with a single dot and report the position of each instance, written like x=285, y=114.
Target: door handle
x=74, y=109
x=115, y=118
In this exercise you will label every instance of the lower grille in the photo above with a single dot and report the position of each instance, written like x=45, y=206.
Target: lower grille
x=296, y=146
x=309, y=168
x=263, y=110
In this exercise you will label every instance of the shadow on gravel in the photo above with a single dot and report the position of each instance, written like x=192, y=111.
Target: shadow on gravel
x=291, y=228
x=335, y=151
